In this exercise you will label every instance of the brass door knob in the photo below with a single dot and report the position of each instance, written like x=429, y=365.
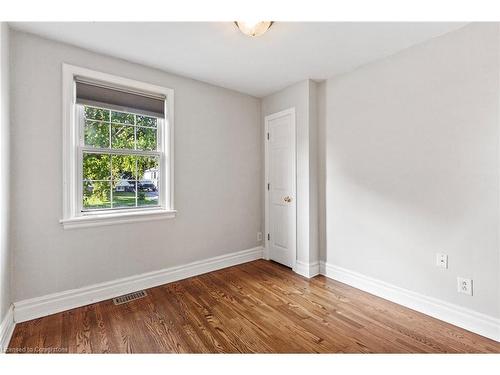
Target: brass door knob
x=287, y=199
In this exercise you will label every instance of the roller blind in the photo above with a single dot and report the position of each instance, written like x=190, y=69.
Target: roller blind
x=120, y=99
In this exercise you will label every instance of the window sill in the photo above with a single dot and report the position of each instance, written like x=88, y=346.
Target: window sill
x=94, y=220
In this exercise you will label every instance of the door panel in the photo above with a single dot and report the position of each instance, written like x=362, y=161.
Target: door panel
x=280, y=173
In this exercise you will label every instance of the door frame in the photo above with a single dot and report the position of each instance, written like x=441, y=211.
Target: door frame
x=267, y=119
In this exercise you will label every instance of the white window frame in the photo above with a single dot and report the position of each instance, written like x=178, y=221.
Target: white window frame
x=73, y=215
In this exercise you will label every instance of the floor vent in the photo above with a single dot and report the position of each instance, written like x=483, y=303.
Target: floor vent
x=129, y=297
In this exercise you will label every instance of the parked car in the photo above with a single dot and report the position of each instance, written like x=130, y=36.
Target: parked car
x=146, y=185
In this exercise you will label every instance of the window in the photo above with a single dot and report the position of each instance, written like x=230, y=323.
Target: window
x=120, y=159
x=118, y=149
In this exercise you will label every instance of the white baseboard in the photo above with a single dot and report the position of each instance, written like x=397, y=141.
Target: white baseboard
x=470, y=320
x=53, y=303
x=7, y=329
x=307, y=269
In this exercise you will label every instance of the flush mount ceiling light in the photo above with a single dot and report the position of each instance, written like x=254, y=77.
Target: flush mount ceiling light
x=253, y=28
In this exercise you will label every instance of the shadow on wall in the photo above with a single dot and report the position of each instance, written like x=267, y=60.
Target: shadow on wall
x=412, y=158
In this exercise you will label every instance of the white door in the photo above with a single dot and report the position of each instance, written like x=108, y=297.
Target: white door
x=281, y=208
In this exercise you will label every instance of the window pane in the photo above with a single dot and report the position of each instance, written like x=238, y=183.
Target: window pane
x=122, y=136
x=147, y=194
x=147, y=167
x=96, y=113
x=96, y=134
x=96, y=167
x=124, y=167
x=146, y=139
x=96, y=195
x=122, y=117
x=147, y=187
x=124, y=193
x=146, y=121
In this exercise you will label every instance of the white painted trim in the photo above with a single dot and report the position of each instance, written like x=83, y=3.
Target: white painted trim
x=289, y=111
x=7, y=329
x=117, y=218
x=470, y=320
x=62, y=301
x=72, y=214
x=266, y=192
x=307, y=269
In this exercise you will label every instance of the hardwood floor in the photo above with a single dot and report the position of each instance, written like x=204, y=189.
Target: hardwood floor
x=258, y=307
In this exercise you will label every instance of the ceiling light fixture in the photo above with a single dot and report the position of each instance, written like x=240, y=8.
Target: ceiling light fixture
x=253, y=28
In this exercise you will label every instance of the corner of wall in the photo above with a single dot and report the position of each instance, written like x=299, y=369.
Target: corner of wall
x=5, y=253
x=313, y=174
x=498, y=161
x=321, y=155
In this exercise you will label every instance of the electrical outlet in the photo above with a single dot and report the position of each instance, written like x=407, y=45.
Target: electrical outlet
x=259, y=236
x=442, y=260
x=464, y=286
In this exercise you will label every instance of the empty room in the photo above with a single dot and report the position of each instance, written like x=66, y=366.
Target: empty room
x=250, y=187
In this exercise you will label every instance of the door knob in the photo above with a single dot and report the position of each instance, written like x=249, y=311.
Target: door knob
x=287, y=199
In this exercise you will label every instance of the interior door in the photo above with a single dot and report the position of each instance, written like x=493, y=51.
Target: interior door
x=281, y=187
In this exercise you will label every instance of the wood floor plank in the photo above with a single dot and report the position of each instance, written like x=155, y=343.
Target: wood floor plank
x=256, y=307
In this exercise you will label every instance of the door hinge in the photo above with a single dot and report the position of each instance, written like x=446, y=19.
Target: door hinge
x=268, y=186
x=268, y=136
x=268, y=237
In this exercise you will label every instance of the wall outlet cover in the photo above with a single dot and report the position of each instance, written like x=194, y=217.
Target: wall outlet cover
x=259, y=236
x=442, y=260
x=464, y=285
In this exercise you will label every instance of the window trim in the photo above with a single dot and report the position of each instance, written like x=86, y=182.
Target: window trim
x=72, y=216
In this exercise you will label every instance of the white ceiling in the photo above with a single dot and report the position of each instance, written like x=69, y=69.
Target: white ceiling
x=216, y=52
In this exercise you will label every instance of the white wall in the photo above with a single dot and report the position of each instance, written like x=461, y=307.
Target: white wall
x=218, y=179
x=412, y=167
x=302, y=96
x=5, y=254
